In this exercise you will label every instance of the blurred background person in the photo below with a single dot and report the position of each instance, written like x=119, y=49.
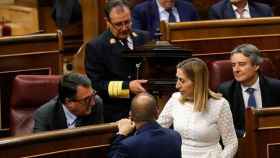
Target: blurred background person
x=238, y=9
x=147, y=15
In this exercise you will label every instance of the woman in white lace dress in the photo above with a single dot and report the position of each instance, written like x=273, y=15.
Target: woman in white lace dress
x=201, y=116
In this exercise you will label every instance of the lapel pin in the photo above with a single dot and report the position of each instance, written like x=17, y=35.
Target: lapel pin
x=134, y=34
x=112, y=41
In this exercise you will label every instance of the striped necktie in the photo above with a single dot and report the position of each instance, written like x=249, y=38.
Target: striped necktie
x=171, y=15
x=252, y=99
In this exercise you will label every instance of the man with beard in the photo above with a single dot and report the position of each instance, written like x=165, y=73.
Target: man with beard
x=76, y=105
x=238, y=9
x=111, y=76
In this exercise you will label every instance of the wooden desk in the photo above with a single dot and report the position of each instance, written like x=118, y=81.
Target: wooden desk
x=83, y=142
x=223, y=35
x=262, y=134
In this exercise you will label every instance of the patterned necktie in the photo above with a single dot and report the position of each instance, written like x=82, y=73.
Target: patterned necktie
x=78, y=122
x=171, y=15
x=125, y=43
x=252, y=99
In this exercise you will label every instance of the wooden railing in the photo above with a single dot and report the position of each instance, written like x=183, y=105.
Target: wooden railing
x=83, y=142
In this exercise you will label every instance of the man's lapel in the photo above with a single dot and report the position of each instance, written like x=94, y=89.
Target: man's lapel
x=228, y=11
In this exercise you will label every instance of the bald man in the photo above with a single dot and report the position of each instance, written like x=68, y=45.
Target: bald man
x=150, y=140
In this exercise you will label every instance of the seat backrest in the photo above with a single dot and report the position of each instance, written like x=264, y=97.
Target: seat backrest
x=221, y=71
x=29, y=92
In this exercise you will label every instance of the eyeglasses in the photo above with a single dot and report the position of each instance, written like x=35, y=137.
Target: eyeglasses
x=120, y=25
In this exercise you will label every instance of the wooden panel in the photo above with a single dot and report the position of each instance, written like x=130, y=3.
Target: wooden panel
x=273, y=150
x=186, y=31
x=34, y=54
x=93, y=18
x=31, y=43
x=24, y=20
x=257, y=139
x=213, y=40
x=29, y=3
x=83, y=142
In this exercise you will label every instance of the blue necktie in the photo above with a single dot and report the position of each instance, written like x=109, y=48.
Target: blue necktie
x=171, y=15
x=252, y=99
x=78, y=122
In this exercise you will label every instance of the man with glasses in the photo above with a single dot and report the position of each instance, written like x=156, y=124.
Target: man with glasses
x=111, y=76
x=76, y=105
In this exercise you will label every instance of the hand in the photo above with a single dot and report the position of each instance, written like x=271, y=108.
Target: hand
x=136, y=87
x=126, y=126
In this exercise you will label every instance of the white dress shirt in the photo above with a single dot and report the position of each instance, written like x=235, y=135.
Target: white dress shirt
x=70, y=118
x=257, y=94
x=129, y=43
x=246, y=12
x=164, y=15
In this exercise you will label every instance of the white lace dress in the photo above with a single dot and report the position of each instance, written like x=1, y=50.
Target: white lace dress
x=201, y=131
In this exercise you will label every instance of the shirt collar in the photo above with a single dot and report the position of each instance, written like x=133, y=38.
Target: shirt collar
x=129, y=39
x=70, y=117
x=256, y=85
x=161, y=9
x=246, y=7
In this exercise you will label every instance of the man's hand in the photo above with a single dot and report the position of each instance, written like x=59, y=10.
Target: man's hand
x=126, y=126
x=136, y=87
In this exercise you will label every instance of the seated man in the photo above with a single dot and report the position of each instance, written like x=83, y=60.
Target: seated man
x=147, y=15
x=75, y=105
x=237, y=9
x=150, y=140
x=249, y=88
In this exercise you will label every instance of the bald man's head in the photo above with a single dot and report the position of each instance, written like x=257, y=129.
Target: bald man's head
x=143, y=108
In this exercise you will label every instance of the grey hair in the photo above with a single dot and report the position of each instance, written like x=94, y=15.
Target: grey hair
x=250, y=51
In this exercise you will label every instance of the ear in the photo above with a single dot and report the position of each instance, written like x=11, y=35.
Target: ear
x=107, y=21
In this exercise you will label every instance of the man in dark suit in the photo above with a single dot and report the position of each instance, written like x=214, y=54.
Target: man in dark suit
x=249, y=88
x=237, y=9
x=110, y=74
x=76, y=105
x=150, y=140
x=147, y=15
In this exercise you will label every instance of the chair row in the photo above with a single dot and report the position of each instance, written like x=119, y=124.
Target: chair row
x=31, y=91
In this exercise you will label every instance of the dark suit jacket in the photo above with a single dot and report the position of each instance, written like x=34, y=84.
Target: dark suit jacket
x=104, y=63
x=232, y=91
x=146, y=15
x=50, y=116
x=223, y=10
x=66, y=11
x=150, y=141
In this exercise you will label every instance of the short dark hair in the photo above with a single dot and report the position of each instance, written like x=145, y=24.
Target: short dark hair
x=114, y=3
x=143, y=108
x=68, y=85
x=250, y=51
